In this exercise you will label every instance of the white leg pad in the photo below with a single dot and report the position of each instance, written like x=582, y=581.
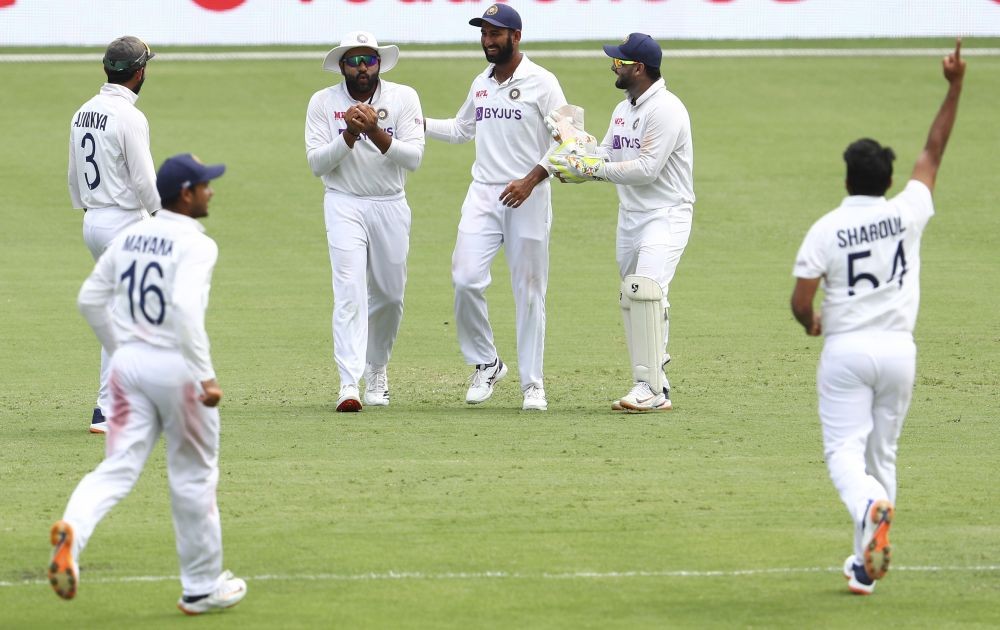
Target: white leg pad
x=626, y=304
x=646, y=320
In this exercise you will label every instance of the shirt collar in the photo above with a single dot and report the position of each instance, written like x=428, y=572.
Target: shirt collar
x=183, y=219
x=858, y=201
x=657, y=85
x=115, y=89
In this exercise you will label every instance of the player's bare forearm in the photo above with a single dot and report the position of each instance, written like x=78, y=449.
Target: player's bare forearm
x=929, y=161
x=802, y=305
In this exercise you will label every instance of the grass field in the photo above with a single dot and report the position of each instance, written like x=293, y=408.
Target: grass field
x=433, y=514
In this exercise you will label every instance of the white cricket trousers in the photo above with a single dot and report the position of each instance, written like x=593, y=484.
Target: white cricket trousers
x=153, y=392
x=865, y=384
x=486, y=225
x=369, y=239
x=651, y=244
x=100, y=225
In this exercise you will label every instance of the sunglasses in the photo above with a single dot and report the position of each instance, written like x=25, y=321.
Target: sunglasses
x=356, y=60
x=618, y=63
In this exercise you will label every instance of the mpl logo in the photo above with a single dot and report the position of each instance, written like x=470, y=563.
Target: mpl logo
x=482, y=93
x=619, y=122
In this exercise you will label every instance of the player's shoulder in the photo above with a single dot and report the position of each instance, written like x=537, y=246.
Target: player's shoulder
x=397, y=90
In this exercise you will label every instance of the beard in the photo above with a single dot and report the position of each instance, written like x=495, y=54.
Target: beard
x=362, y=83
x=138, y=85
x=505, y=54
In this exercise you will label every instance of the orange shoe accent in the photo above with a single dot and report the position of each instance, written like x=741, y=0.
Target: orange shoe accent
x=63, y=572
x=878, y=550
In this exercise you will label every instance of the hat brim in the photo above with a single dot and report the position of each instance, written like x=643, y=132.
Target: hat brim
x=615, y=52
x=213, y=171
x=479, y=22
x=388, y=55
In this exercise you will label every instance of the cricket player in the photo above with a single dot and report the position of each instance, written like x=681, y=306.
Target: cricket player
x=111, y=172
x=649, y=154
x=866, y=254
x=508, y=204
x=362, y=137
x=146, y=301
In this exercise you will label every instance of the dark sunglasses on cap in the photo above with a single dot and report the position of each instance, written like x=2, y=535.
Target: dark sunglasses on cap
x=356, y=60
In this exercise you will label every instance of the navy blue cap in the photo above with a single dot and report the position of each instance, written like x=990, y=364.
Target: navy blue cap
x=183, y=171
x=637, y=47
x=501, y=15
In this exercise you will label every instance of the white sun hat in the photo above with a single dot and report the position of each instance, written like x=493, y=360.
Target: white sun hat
x=361, y=39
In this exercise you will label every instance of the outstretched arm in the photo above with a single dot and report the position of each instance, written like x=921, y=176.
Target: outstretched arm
x=929, y=161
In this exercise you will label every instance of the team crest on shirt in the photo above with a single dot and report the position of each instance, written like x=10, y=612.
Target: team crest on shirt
x=515, y=94
x=635, y=125
x=383, y=113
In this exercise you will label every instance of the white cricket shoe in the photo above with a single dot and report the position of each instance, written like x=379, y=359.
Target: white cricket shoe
x=858, y=581
x=228, y=592
x=483, y=380
x=642, y=399
x=349, y=399
x=875, y=538
x=376, y=386
x=534, y=399
x=64, y=574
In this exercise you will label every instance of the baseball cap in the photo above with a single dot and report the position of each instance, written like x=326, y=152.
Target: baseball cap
x=127, y=53
x=183, y=171
x=388, y=55
x=637, y=47
x=500, y=15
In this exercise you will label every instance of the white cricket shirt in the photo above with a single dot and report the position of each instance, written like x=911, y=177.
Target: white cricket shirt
x=651, y=152
x=152, y=285
x=868, y=253
x=364, y=171
x=506, y=120
x=110, y=165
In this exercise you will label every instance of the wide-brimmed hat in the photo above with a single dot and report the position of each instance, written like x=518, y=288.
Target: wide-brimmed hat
x=388, y=55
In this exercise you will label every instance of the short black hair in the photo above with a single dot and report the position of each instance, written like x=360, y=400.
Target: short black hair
x=652, y=73
x=170, y=203
x=869, y=167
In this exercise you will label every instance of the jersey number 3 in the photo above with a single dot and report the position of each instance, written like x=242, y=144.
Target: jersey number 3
x=90, y=158
x=151, y=302
x=898, y=264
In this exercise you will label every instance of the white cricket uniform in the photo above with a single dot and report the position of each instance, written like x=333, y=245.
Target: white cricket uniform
x=651, y=155
x=367, y=218
x=868, y=253
x=111, y=176
x=146, y=300
x=507, y=122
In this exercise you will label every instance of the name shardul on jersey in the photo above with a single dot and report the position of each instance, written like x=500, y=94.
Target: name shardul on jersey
x=885, y=228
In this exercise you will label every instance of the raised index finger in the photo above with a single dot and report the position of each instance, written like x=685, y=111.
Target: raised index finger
x=958, y=49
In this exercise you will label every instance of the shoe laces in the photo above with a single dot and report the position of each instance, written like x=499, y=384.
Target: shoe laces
x=481, y=372
x=378, y=380
x=535, y=393
x=641, y=389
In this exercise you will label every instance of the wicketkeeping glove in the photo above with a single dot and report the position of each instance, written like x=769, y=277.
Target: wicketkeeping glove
x=576, y=168
x=566, y=123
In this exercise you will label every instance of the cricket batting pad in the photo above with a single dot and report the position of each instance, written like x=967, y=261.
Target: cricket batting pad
x=645, y=323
